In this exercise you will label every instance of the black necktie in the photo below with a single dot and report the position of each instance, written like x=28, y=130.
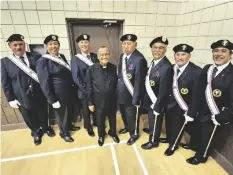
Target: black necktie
x=22, y=59
x=178, y=71
x=88, y=56
x=214, y=72
x=126, y=60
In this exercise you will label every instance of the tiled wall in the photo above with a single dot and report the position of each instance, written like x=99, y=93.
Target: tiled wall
x=198, y=23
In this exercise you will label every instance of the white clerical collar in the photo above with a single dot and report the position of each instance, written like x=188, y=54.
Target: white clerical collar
x=221, y=67
x=84, y=54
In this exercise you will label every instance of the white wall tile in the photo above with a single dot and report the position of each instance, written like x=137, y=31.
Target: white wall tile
x=200, y=43
x=141, y=6
x=150, y=19
x=7, y=17
x=130, y=6
x=140, y=31
x=130, y=19
x=197, y=17
x=47, y=30
x=119, y=16
x=215, y=28
x=31, y=5
x=204, y=29
x=187, y=18
x=170, y=20
x=83, y=14
x=107, y=6
x=219, y=12
x=209, y=3
x=43, y=5
x=83, y=6
x=194, y=30
x=15, y=4
x=182, y=7
x=31, y=17
x=70, y=5
x=172, y=7
x=129, y=29
x=190, y=7
x=60, y=30
x=56, y=5
x=227, y=27
x=229, y=13
x=37, y=40
x=22, y=29
x=64, y=43
x=34, y=31
x=170, y=31
x=140, y=19
x=207, y=14
x=152, y=7
x=96, y=15
x=4, y=5
x=159, y=31
x=149, y=31
x=161, y=20
x=162, y=7
x=66, y=52
x=4, y=54
x=107, y=15
x=58, y=17
x=95, y=6
x=185, y=30
x=3, y=46
x=119, y=6
x=18, y=17
x=198, y=5
x=7, y=30
x=179, y=20
x=71, y=14
x=45, y=17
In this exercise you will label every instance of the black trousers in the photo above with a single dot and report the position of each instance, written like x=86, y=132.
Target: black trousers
x=36, y=118
x=155, y=132
x=128, y=113
x=64, y=116
x=174, y=120
x=101, y=114
x=86, y=115
x=202, y=136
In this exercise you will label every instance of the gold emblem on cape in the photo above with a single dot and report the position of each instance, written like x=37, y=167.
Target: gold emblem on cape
x=225, y=43
x=152, y=83
x=129, y=75
x=217, y=93
x=85, y=36
x=164, y=38
x=184, y=91
x=184, y=47
x=129, y=37
x=54, y=37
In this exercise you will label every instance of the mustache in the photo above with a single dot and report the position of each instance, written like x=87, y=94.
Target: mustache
x=19, y=50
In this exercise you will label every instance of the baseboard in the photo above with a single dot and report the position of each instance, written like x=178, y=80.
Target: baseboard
x=9, y=127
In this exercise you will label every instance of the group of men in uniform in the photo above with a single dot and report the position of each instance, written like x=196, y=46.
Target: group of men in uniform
x=183, y=93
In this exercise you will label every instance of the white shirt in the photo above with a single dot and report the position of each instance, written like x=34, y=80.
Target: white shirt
x=25, y=58
x=128, y=56
x=157, y=61
x=182, y=68
x=220, y=68
x=84, y=54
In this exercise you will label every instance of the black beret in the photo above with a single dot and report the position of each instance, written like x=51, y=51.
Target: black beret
x=51, y=38
x=161, y=39
x=15, y=37
x=83, y=37
x=222, y=43
x=129, y=37
x=183, y=48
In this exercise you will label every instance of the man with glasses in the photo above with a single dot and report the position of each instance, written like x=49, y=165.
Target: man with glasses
x=158, y=80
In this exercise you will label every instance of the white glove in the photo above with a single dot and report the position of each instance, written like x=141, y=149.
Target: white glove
x=14, y=104
x=214, y=121
x=156, y=113
x=56, y=105
x=187, y=118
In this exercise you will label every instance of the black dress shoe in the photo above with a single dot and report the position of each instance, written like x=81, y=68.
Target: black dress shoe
x=150, y=145
x=49, y=131
x=163, y=140
x=123, y=131
x=185, y=146
x=114, y=137
x=132, y=139
x=146, y=130
x=195, y=160
x=101, y=141
x=74, y=128
x=91, y=132
x=67, y=138
x=37, y=140
x=169, y=152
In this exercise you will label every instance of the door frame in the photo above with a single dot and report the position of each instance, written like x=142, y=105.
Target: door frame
x=70, y=22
